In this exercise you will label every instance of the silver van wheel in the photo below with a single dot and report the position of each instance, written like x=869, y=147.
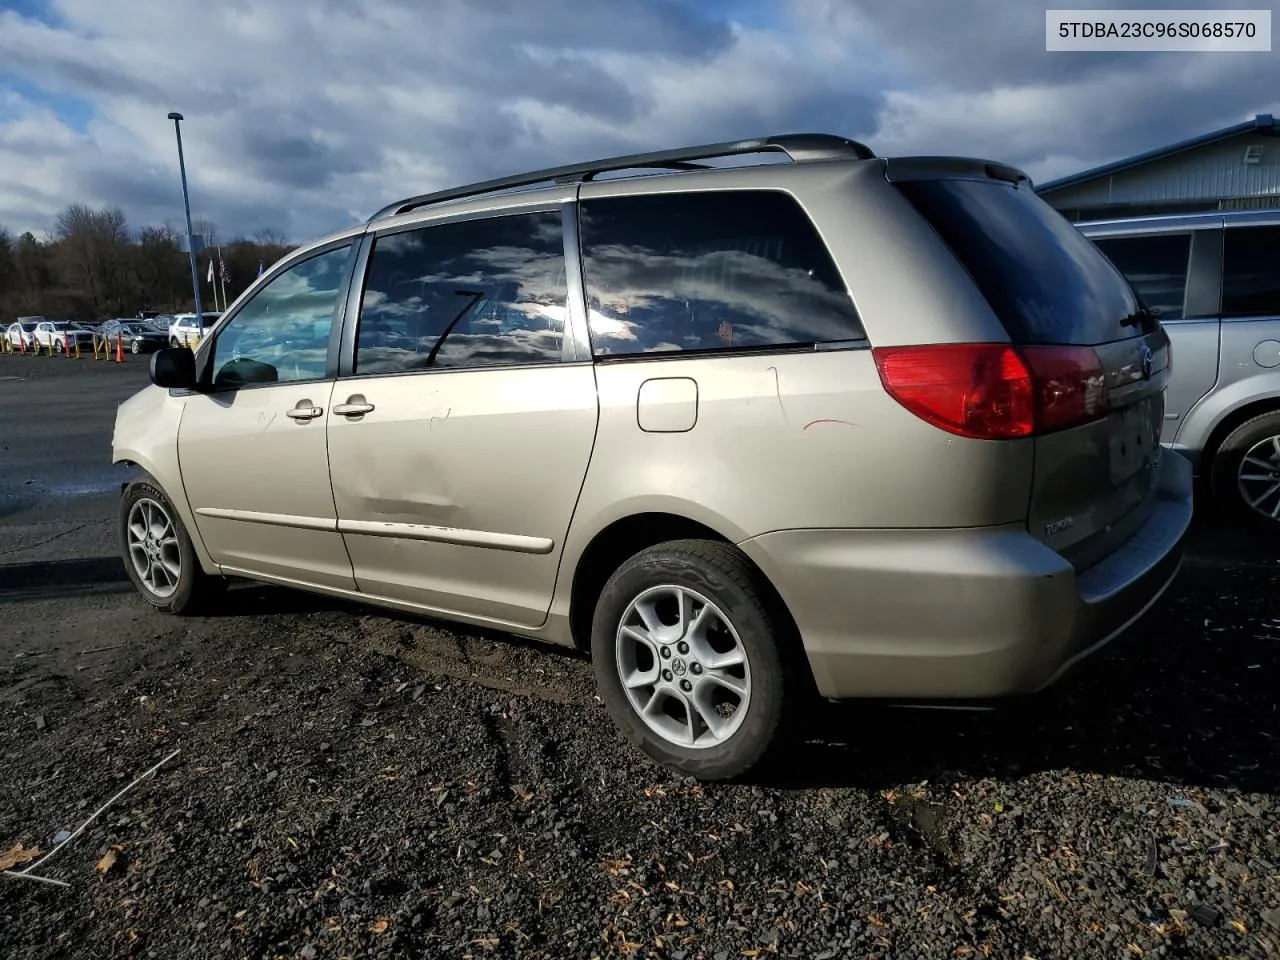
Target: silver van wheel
x=1259, y=477
x=153, y=547
x=683, y=667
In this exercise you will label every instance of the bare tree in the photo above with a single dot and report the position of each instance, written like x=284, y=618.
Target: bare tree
x=269, y=237
x=159, y=266
x=92, y=245
x=208, y=231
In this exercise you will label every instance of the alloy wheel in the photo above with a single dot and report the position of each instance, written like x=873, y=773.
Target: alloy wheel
x=1259, y=477
x=683, y=667
x=153, y=547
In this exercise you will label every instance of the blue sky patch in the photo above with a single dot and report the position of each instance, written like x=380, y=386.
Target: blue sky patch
x=75, y=112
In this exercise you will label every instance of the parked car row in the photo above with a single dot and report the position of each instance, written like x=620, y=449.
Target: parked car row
x=137, y=335
x=33, y=334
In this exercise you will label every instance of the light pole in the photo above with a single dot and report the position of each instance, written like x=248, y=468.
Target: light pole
x=191, y=247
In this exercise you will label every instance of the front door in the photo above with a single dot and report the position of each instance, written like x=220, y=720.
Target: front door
x=251, y=444
x=459, y=443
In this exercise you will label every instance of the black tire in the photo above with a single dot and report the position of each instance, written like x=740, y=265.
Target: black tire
x=721, y=574
x=194, y=588
x=173, y=342
x=1224, y=474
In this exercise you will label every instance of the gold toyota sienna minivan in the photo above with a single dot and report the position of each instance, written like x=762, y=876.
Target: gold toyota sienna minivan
x=843, y=426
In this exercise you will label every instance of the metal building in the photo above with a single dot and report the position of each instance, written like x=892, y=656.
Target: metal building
x=1236, y=168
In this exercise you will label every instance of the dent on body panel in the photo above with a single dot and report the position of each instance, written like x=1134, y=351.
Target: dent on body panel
x=416, y=485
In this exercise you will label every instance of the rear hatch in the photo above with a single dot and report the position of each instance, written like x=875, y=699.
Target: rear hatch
x=1097, y=355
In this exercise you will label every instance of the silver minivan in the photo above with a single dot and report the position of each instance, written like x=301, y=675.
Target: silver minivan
x=848, y=426
x=1214, y=281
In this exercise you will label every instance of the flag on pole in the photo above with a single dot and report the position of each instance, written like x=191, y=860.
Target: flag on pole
x=209, y=277
x=259, y=268
x=222, y=270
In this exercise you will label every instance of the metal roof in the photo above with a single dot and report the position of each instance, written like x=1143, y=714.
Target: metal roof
x=1263, y=122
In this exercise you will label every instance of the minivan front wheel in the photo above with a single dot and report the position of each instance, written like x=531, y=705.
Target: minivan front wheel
x=685, y=650
x=1246, y=472
x=158, y=554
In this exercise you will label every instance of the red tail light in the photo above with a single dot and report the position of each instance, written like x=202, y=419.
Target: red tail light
x=1070, y=386
x=993, y=391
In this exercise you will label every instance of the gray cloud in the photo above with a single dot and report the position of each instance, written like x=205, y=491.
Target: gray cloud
x=308, y=115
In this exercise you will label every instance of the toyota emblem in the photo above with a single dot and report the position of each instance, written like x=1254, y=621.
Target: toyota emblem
x=1148, y=361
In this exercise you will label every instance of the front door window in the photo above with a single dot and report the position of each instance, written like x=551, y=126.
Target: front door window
x=282, y=334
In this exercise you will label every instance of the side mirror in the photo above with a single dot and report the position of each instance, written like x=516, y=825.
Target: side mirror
x=174, y=368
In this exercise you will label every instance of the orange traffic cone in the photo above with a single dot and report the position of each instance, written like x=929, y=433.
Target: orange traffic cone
x=119, y=348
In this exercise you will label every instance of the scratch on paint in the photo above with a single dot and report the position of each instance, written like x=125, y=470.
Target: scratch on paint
x=811, y=423
x=441, y=419
x=777, y=389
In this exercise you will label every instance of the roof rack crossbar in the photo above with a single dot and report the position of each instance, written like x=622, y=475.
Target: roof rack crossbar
x=799, y=148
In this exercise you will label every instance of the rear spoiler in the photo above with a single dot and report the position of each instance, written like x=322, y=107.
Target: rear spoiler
x=898, y=169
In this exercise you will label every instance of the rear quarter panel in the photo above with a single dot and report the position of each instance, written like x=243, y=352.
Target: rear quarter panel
x=786, y=441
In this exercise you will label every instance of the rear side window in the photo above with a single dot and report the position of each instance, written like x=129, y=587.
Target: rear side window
x=1250, y=277
x=694, y=272
x=1043, y=279
x=1156, y=265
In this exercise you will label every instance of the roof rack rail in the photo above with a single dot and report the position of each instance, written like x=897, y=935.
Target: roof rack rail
x=799, y=147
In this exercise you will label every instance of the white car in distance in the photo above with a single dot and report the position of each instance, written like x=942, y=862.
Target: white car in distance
x=21, y=336
x=59, y=334
x=186, y=330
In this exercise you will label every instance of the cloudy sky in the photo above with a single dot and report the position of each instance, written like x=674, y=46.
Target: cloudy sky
x=307, y=115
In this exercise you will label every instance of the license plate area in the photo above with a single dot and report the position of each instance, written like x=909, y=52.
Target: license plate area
x=1133, y=439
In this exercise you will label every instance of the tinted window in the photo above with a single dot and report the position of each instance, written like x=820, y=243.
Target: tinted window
x=282, y=334
x=709, y=271
x=494, y=289
x=1156, y=266
x=1044, y=280
x=1251, y=272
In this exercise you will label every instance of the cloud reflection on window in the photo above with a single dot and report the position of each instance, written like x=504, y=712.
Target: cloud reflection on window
x=709, y=271
x=282, y=334
x=501, y=279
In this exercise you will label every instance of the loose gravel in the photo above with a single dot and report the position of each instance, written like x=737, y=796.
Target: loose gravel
x=354, y=785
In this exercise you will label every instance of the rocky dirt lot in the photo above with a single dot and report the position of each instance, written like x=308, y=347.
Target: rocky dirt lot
x=360, y=785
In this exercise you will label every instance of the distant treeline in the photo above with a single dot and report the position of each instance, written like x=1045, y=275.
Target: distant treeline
x=94, y=267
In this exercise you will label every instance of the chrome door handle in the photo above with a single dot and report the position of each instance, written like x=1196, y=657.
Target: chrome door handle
x=304, y=411
x=356, y=406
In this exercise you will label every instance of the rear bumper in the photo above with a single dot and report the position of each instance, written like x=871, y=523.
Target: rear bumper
x=973, y=613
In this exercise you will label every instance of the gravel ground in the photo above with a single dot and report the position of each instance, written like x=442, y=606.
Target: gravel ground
x=357, y=785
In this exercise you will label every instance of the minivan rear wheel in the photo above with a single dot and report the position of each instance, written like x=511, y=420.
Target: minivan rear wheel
x=685, y=648
x=1246, y=473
